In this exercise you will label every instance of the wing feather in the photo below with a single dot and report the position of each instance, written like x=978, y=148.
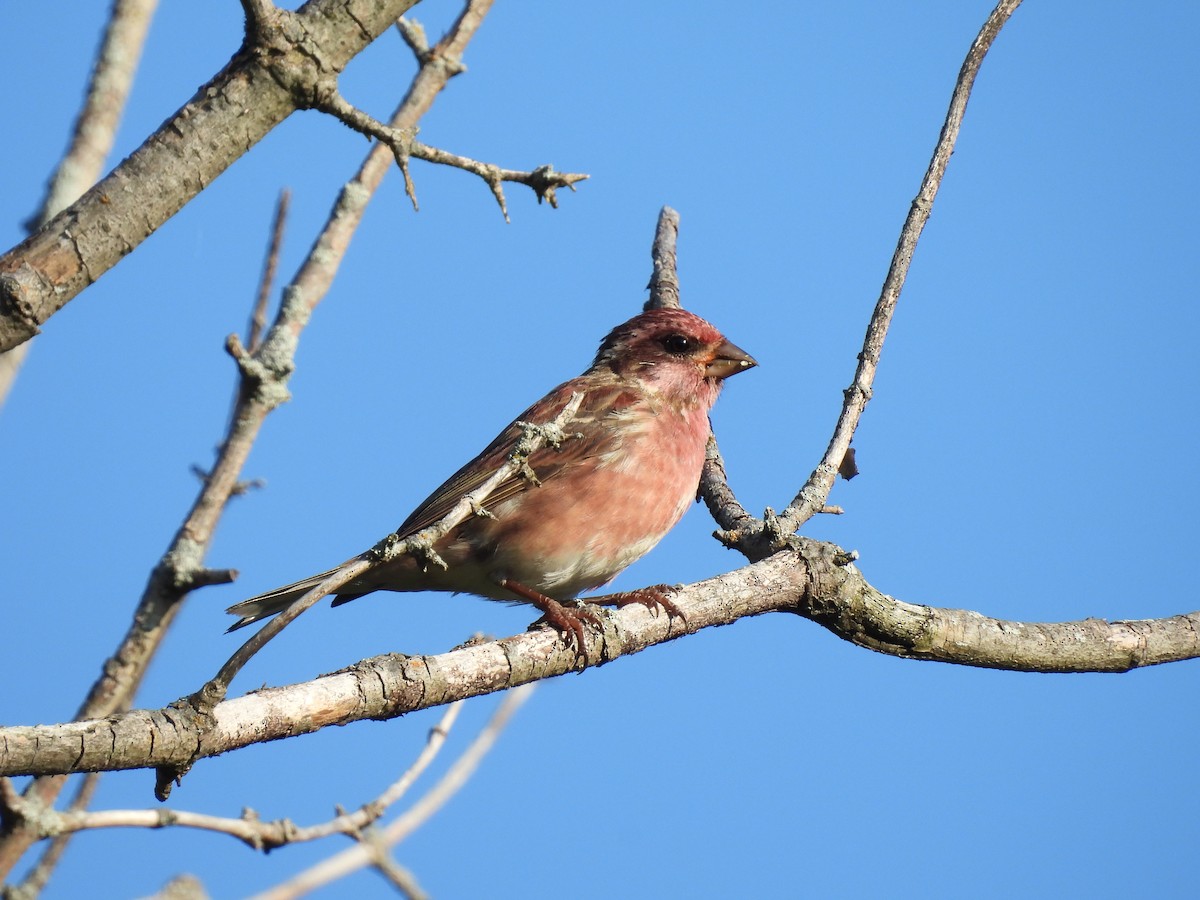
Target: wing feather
x=586, y=438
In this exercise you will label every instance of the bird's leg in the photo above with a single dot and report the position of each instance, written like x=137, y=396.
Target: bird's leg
x=654, y=598
x=568, y=622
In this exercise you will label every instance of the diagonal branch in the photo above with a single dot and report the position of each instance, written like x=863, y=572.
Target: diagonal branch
x=815, y=492
x=367, y=853
x=94, y=133
x=264, y=83
x=758, y=538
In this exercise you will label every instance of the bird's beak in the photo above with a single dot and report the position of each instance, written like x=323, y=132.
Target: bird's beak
x=729, y=359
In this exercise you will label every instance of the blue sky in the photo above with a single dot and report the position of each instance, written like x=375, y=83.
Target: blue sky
x=1028, y=452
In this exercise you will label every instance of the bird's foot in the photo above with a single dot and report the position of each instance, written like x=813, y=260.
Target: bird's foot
x=568, y=621
x=654, y=598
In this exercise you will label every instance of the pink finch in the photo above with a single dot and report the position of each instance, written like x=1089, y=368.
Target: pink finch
x=625, y=474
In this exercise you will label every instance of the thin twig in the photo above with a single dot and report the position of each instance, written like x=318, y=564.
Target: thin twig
x=544, y=180
x=814, y=494
x=758, y=538
x=397, y=875
x=258, y=321
x=342, y=864
x=412, y=33
x=458, y=774
x=214, y=691
x=438, y=66
x=664, y=280
x=39, y=876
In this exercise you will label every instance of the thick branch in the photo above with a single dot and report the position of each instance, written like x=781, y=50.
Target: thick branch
x=813, y=580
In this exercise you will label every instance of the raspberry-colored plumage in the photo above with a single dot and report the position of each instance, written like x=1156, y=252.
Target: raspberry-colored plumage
x=624, y=476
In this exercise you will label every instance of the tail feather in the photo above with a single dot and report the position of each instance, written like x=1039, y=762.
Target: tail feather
x=273, y=602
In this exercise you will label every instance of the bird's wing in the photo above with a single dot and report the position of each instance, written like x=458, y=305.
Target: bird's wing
x=587, y=436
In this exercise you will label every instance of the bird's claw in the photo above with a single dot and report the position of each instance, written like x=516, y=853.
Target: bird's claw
x=569, y=622
x=654, y=598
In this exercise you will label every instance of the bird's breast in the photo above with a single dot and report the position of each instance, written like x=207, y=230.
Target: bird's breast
x=599, y=515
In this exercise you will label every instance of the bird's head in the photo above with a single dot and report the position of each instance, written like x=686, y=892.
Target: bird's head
x=672, y=351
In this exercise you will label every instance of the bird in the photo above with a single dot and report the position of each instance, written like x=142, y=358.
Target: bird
x=627, y=470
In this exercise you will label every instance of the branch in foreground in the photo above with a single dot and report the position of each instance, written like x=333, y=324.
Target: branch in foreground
x=812, y=579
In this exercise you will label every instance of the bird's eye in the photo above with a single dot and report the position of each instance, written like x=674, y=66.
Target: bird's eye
x=677, y=343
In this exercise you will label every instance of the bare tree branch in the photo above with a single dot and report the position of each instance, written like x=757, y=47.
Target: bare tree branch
x=249, y=828
x=258, y=319
x=815, y=492
x=664, y=280
x=263, y=387
x=95, y=130
x=39, y=876
x=758, y=538
x=544, y=181
x=268, y=80
x=284, y=65
x=413, y=33
x=464, y=767
x=813, y=580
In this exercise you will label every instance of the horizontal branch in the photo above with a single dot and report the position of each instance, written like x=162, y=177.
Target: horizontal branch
x=812, y=579
x=544, y=181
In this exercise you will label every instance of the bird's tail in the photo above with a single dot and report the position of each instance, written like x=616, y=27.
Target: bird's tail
x=273, y=602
